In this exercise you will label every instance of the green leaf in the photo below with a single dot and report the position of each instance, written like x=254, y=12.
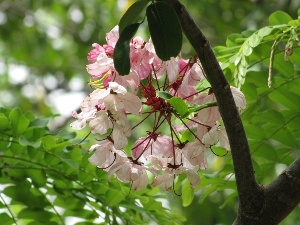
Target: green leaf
x=6, y=219
x=68, y=160
x=247, y=50
x=268, y=116
x=179, y=105
x=19, y=122
x=4, y=122
x=165, y=95
x=38, y=177
x=40, y=122
x=165, y=30
x=229, y=198
x=26, y=196
x=122, y=49
x=132, y=14
x=264, y=31
x=48, y=142
x=39, y=215
x=187, y=194
x=285, y=98
x=206, y=193
x=278, y=18
x=114, y=197
x=255, y=132
x=254, y=40
x=23, y=141
x=69, y=202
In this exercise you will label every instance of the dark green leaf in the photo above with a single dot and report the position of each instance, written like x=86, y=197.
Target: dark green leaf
x=132, y=14
x=26, y=196
x=39, y=215
x=164, y=95
x=165, y=30
x=38, y=177
x=122, y=49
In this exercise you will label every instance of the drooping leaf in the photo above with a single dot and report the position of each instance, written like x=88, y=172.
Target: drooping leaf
x=132, y=14
x=187, y=194
x=122, y=49
x=165, y=30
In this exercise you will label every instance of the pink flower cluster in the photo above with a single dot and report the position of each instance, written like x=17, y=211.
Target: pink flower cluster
x=162, y=151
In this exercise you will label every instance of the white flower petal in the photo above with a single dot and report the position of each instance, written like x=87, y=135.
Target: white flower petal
x=120, y=140
x=193, y=177
x=238, y=97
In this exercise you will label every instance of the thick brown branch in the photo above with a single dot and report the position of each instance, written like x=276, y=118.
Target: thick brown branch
x=250, y=193
x=283, y=194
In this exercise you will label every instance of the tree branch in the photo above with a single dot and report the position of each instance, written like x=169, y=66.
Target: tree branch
x=250, y=193
x=282, y=194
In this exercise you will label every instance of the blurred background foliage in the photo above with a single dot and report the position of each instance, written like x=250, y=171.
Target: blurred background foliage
x=43, y=48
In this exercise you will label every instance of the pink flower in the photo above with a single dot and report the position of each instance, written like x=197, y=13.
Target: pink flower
x=94, y=53
x=102, y=65
x=160, y=146
x=121, y=99
x=88, y=112
x=167, y=169
x=116, y=98
x=217, y=134
x=194, y=154
x=105, y=155
x=130, y=171
x=113, y=36
x=117, y=121
x=210, y=115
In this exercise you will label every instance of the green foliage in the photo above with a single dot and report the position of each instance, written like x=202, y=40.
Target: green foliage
x=41, y=172
x=165, y=30
x=187, y=194
x=243, y=51
x=132, y=14
x=179, y=105
x=122, y=49
x=270, y=79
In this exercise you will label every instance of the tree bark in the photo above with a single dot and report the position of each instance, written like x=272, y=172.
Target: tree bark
x=257, y=204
